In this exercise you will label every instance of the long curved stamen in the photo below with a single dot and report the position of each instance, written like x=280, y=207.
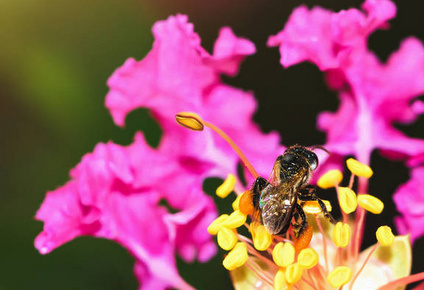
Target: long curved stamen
x=194, y=122
x=403, y=281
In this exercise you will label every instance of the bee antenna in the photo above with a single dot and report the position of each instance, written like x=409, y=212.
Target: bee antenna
x=320, y=147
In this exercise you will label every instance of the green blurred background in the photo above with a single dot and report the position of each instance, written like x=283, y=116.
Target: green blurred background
x=55, y=58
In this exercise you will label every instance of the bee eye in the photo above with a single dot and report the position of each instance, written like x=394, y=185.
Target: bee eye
x=313, y=160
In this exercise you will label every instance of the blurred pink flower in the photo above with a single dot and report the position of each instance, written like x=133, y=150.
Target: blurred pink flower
x=409, y=199
x=179, y=75
x=373, y=95
x=118, y=192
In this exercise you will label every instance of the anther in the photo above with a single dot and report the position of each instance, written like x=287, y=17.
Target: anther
x=261, y=238
x=347, y=199
x=385, y=236
x=227, y=186
x=370, y=203
x=236, y=203
x=341, y=235
x=339, y=276
x=190, y=120
x=308, y=258
x=358, y=168
x=237, y=257
x=330, y=179
x=217, y=224
x=283, y=254
x=280, y=280
x=293, y=273
x=226, y=238
x=235, y=220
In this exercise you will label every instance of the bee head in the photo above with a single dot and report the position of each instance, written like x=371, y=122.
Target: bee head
x=303, y=153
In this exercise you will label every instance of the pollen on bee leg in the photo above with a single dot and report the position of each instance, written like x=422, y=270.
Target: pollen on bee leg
x=246, y=203
x=261, y=238
x=370, y=203
x=330, y=179
x=227, y=186
x=358, y=168
x=304, y=239
x=236, y=257
x=190, y=120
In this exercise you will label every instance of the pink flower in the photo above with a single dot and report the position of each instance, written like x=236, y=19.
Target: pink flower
x=118, y=192
x=409, y=199
x=373, y=95
x=179, y=75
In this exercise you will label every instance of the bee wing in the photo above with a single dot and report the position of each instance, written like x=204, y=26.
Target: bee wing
x=277, y=208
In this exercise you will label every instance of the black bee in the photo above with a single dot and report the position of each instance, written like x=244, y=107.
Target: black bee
x=278, y=200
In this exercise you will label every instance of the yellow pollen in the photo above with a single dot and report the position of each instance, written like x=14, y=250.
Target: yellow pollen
x=370, y=203
x=293, y=273
x=261, y=238
x=330, y=179
x=236, y=202
x=347, y=199
x=385, y=236
x=237, y=257
x=190, y=120
x=283, y=254
x=308, y=258
x=217, y=224
x=227, y=186
x=312, y=207
x=245, y=203
x=339, y=276
x=226, y=238
x=280, y=280
x=235, y=220
x=358, y=168
x=341, y=235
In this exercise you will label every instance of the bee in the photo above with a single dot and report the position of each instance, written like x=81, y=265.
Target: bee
x=277, y=201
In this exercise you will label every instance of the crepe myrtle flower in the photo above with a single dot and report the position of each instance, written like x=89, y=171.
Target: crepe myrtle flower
x=324, y=256
x=373, y=95
x=150, y=200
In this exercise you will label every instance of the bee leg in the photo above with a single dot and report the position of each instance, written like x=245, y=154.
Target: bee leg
x=257, y=187
x=298, y=228
x=312, y=196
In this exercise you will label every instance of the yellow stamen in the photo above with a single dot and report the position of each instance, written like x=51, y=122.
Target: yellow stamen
x=226, y=238
x=217, y=224
x=236, y=202
x=339, y=276
x=308, y=258
x=261, y=238
x=280, y=280
x=347, y=199
x=190, y=120
x=312, y=207
x=385, y=235
x=283, y=254
x=330, y=179
x=341, y=235
x=237, y=257
x=235, y=220
x=293, y=273
x=358, y=168
x=370, y=203
x=227, y=186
